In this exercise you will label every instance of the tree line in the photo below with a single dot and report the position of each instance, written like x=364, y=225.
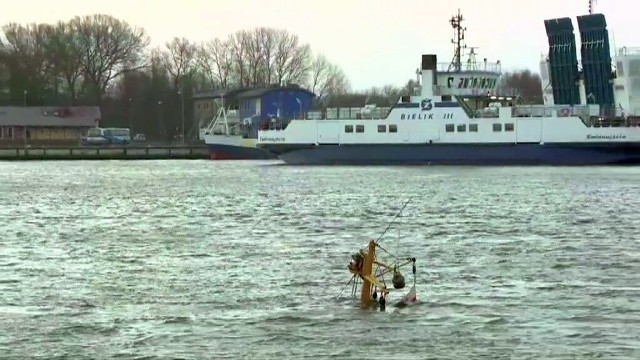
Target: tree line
x=101, y=60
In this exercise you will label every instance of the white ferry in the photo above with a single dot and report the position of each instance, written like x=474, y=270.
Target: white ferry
x=457, y=119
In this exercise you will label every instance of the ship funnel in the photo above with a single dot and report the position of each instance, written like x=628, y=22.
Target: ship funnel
x=429, y=78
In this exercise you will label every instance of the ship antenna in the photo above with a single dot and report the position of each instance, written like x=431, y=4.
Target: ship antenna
x=458, y=41
x=471, y=62
x=591, y=3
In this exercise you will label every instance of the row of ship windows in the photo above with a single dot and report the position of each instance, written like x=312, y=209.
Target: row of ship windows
x=474, y=127
x=381, y=128
x=497, y=127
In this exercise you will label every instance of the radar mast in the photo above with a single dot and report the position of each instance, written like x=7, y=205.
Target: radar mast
x=458, y=41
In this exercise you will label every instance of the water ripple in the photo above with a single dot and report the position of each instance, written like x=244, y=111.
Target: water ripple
x=226, y=260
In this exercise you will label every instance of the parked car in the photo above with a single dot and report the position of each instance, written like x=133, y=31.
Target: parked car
x=107, y=136
x=140, y=138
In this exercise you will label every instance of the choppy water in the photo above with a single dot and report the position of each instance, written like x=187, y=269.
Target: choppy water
x=218, y=260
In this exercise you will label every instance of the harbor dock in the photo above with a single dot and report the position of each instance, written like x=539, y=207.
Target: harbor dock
x=128, y=152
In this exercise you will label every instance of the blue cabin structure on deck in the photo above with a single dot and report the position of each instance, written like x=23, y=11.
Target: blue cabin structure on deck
x=261, y=106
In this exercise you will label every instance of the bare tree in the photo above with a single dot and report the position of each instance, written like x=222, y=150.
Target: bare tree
x=61, y=52
x=27, y=41
x=376, y=96
x=326, y=79
x=238, y=44
x=410, y=87
x=524, y=84
x=107, y=47
x=391, y=93
x=23, y=52
x=264, y=56
x=4, y=77
x=254, y=56
x=100, y=60
x=268, y=41
x=291, y=59
x=215, y=60
x=179, y=59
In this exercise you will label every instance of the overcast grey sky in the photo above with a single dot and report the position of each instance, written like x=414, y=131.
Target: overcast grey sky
x=375, y=42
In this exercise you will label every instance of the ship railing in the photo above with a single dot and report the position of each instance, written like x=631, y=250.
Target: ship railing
x=464, y=104
x=605, y=117
x=274, y=124
x=346, y=113
x=611, y=121
x=329, y=114
x=221, y=121
x=235, y=129
x=443, y=90
x=627, y=51
x=213, y=127
x=480, y=66
x=487, y=113
x=612, y=116
x=218, y=122
x=551, y=111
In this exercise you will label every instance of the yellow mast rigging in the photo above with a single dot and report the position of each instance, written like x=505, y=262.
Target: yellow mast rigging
x=374, y=289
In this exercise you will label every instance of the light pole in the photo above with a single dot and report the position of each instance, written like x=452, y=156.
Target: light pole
x=131, y=114
x=181, y=93
x=26, y=131
x=160, y=124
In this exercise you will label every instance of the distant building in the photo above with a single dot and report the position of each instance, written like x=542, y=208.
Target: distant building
x=252, y=107
x=207, y=104
x=46, y=124
x=284, y=102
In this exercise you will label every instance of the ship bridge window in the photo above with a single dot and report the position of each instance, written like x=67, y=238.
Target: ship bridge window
x=508, y=127
x=473, y=127
x=393, y=128
x=544, y=73
x=348, y=128
x=634, y=68
x=497, y=127
x=461, y=128
x=382, y=128
x=620, y=69
x=449, y=127
x=359, y=128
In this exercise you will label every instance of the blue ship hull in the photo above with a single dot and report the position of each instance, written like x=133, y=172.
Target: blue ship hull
x=461, y=154
x=230, y=152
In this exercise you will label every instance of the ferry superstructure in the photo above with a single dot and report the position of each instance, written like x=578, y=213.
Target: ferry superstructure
x=457, y=120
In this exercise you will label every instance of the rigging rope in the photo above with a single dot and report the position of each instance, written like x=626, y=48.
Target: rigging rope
x=394, y=219
x=387, y=228
x=353, y=278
